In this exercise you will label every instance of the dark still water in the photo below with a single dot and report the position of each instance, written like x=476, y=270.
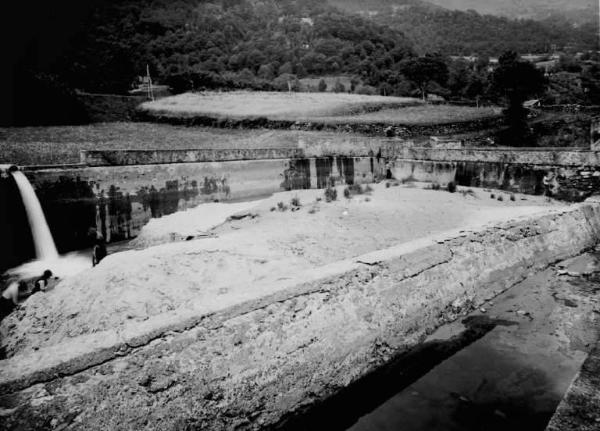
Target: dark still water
x=504, y=367
x=513, y=377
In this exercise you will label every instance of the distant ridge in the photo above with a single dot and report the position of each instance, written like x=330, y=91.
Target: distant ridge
x=485, y=30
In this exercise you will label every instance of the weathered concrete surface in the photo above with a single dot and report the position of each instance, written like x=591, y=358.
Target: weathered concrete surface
x=247, y=365
x=358, y=147
x=119, y=200
x=506, y=366
x=147, y=157
x=580, y=408
x=570, y=175
x=529, y=156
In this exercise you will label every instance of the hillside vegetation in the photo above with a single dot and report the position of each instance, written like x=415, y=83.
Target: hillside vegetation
x=537, y=9
x=231, y=43
x=193, y=44
x=435, y=29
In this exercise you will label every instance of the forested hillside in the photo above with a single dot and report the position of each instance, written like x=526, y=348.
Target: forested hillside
x=536, y=9
x=452, y=32
x=235, y=43
x=257, y=44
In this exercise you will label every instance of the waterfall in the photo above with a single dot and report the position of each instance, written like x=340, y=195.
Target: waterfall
x=42, y=238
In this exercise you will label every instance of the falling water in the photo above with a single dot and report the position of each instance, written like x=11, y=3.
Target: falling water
x=42, y=238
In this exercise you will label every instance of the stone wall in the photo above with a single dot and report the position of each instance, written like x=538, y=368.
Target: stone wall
x=250, y=365
x=571, y=175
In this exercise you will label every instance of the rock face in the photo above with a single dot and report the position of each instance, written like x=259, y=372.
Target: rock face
x=248, y=365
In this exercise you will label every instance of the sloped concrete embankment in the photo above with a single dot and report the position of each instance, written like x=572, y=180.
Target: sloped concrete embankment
x=248, y=366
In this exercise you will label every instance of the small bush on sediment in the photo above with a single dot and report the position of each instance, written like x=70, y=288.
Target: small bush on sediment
x=352, y=190
x=312, y=210
x=387, y=185
x=468, y=192
x=492, y=196
x=356, y=189
x=273, y=209
x=330, y=194
x=295, y=202
x=512, y=197
x=452, y=187
x=281, y=206
x=500, y=198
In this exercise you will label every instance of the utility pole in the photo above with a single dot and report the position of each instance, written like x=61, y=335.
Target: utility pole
x=150, y=91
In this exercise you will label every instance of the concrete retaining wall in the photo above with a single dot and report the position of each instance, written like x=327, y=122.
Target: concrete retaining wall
x=565, y=174
x=365, y=147
x=118, y=200
x=246, y=366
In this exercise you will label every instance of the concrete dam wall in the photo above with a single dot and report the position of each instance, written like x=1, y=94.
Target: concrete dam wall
x=250, y=365
x=566, y=174
x=119, y=192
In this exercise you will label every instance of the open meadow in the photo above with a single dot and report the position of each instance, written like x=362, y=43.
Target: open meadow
x=272, y=105
x=417, y=115
x=323, y=108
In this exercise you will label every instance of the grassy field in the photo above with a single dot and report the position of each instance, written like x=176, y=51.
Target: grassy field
x=327, y=108
x=61, y=144
x=272, y=105
x=417, y=115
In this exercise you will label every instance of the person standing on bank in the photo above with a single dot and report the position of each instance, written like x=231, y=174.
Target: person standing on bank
x=99, y=252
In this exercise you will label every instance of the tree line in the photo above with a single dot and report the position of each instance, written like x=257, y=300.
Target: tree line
x=269, y=45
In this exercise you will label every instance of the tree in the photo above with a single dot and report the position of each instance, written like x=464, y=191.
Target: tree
x=339, y=87
x=590, y=81
x=286, y=68
x=514, y=81
x=322, y=86
x=286, y=82
x=424, y=70
x=266, y=71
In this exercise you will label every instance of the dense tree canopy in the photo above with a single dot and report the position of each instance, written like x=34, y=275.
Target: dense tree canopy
x=515, y=80
x=423, y=71
x=194, y=44
x=453, y=32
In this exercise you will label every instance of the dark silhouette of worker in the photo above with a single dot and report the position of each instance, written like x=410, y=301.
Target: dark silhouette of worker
x=41, y=284
x=99, y=251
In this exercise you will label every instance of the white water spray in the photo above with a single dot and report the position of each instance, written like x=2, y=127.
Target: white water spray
x=42, y=238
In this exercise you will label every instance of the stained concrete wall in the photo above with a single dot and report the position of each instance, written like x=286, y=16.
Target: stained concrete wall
x=362, y=147
x=120, y=199
x=246, y=366
x=564, y=174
